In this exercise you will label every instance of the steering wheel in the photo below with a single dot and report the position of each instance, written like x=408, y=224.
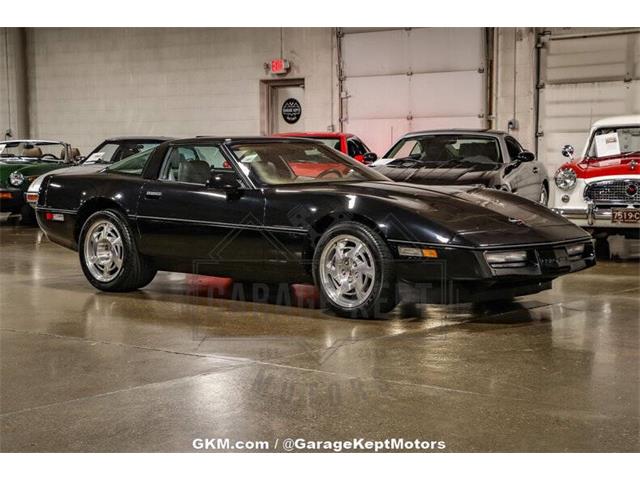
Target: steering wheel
x=49, y=155
x=330, y=171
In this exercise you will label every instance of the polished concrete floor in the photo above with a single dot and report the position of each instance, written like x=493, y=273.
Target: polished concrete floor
x=82, y=370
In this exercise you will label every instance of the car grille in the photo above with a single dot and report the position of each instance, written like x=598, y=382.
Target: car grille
x=614, y=191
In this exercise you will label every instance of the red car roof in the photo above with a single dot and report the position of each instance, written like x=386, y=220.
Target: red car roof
x=314, y=134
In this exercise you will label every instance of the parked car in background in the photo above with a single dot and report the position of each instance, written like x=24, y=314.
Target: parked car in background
x=600, y=189
x=346, y=143
x=21, y=162
x=466, y=157
x=236, y=207
x=110, y=151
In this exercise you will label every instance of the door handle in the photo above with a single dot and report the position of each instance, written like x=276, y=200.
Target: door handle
x=152, y=194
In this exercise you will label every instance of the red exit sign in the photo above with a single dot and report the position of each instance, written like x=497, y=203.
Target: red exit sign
x=279, y=66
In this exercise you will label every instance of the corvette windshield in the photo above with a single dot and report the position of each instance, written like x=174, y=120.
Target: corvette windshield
x=441, y=150
x=610, y=141
x=111, y=152
x=33, y=150
x=295, y=163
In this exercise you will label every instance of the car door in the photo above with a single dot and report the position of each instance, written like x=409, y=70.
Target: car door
x=191, y=225
x=522, y=176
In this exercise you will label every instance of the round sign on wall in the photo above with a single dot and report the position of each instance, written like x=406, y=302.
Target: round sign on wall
x=291, y=110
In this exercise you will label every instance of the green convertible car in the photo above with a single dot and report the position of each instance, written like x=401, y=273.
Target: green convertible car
x=21, y=162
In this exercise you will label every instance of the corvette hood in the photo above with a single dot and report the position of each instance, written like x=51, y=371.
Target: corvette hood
x=461, y=173
x=469, y=215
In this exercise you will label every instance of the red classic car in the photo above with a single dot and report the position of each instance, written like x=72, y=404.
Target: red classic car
x=600, y=190
x=346, y=143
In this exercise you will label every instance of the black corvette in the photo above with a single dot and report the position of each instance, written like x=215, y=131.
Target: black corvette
x=292, y=210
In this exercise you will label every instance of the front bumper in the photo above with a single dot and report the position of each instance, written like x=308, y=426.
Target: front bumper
x=463, y=275
x=11, y=200
x=593, y=217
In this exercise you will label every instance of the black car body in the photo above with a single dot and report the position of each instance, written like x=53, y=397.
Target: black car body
x=110, y=151
x=237, y=207
x=491, y=158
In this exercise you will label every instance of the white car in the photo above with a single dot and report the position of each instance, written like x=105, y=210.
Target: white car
x=600, y=189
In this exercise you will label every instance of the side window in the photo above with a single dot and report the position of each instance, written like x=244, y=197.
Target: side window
x=192, y=164
x=408, y=148
x=513, y=147
x=213, y=156
x=355, y=147
x=133, y=165
x=365, y=149
x=352, y=149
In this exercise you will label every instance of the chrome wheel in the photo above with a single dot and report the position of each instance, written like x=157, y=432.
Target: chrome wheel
x=544, y=196
x=347, y=271
x=103, y=251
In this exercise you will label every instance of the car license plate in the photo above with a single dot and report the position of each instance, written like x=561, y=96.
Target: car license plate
x=625, y=215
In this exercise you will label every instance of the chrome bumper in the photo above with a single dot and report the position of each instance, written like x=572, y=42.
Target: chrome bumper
x=592, y=216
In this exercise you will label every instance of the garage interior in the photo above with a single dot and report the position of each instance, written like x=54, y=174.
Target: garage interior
x=82, y=370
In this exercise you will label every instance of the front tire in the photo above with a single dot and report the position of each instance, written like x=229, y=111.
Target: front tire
x=354, y=271
x=544, y=195
x=109, y=256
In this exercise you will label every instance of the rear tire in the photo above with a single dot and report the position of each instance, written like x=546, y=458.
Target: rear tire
x=27, y=215
x=354, y=270
x=109, y=256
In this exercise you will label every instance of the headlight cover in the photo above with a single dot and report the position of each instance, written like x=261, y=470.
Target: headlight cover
x=577, y=249
x=506, y=259
x=16, y=179
x=565, y=178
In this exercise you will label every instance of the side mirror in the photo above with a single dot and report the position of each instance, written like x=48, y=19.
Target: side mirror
x=79, y=159
x=526, y=156
x=227, y=181
x=369, y=157
x=568, y=151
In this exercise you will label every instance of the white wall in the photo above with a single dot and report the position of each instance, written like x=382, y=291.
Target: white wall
x=13, y=85
x=88, y=84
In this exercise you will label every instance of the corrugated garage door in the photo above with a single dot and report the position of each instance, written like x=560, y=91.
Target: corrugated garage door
x=401, y=80
x=584, y=79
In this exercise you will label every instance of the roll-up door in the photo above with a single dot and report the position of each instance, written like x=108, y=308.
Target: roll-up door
x=401, y=80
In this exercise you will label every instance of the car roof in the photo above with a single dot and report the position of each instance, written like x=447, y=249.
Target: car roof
x=614, y=121
x=453, y=131
x=141, y=138
x=247, y=139
x=314, y=134
x=32, y=140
